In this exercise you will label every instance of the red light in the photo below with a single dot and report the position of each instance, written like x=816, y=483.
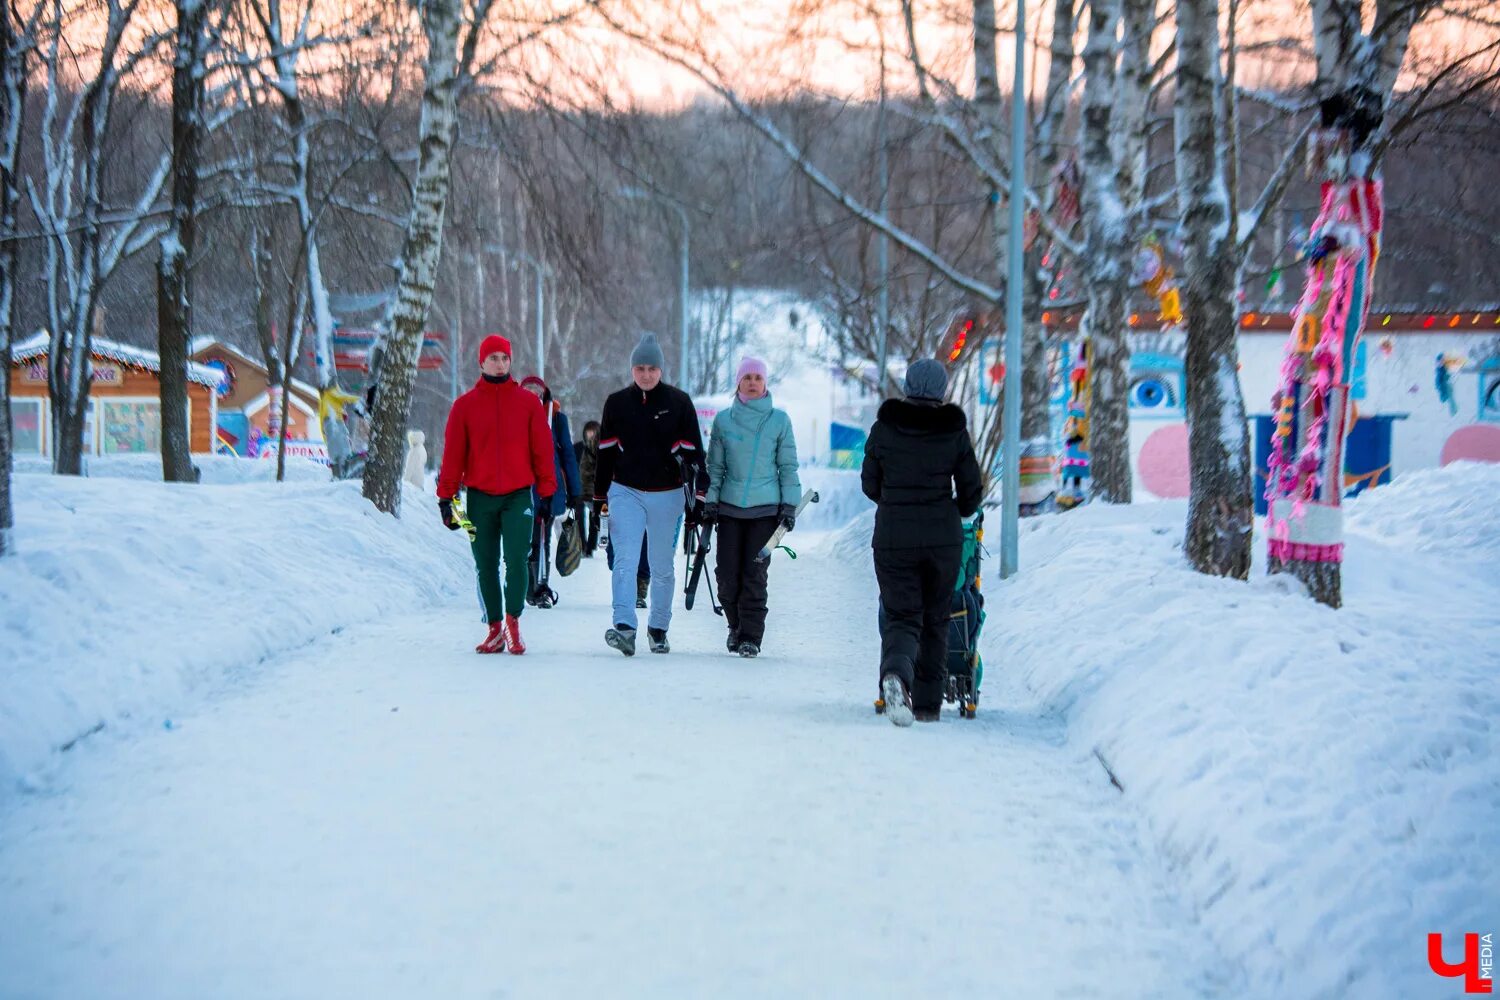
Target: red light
x=1454, y=320
x=960, y=340
x=1135, y=319
x=1046, y=319
x=1249, y=319
x=1427, y=323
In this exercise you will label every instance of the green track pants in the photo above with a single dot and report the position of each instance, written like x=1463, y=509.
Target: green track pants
x=501, y=522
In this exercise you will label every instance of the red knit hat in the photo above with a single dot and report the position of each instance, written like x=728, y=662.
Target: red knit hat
x=494, y=342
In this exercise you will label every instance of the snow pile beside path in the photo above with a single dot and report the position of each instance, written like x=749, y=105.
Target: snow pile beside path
x=1328, y=782
x=840, y=498
x=125, y=596
x=1449, y=512
x=218, y=470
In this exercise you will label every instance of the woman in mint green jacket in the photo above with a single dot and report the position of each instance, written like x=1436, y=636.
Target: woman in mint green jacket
x=752, y=488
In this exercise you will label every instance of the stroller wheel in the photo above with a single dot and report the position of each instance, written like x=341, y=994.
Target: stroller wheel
x=879, y=706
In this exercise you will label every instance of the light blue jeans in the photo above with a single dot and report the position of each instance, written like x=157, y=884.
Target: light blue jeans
x=632, y=514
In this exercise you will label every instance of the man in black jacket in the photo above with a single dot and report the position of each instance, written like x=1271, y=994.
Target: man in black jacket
x=648, y=442
x=917, y=455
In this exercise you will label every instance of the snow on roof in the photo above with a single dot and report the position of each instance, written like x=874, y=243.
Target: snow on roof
x=40, y=343
x=199, y=344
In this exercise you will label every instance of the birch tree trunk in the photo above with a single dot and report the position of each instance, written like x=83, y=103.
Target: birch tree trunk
x=1220, y=512
x=174, y=317
x=12, y=106
x=420, y=254
x=1107, y=264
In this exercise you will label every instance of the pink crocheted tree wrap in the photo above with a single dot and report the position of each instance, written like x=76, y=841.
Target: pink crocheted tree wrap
x=1348, y=209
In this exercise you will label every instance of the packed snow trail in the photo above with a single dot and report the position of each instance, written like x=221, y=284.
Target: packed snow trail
x=387, y=814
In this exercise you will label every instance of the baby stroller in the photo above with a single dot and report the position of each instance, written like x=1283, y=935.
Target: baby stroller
x=965, y=667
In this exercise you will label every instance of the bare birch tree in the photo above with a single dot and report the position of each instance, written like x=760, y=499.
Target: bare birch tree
x=423, y=246
x=86, y=237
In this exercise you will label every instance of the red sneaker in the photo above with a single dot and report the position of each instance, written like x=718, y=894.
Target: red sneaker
x=495, y=641
x=512, y=635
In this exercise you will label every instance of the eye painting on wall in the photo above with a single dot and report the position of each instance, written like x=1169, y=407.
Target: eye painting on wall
x=1157, y=377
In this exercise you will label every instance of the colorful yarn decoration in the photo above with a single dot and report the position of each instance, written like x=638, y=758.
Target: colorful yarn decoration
x=1304, y=474
x=1074, y=466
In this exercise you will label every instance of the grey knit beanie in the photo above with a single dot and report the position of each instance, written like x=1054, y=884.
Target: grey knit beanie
x=648, y=352
x=926, y=379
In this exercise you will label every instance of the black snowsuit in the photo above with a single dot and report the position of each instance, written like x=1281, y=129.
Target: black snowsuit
x=916, y=457
x=743, y=582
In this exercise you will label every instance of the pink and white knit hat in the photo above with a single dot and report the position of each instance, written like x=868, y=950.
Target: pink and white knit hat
x=749, y=366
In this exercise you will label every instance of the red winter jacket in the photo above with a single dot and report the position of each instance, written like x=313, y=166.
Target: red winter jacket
x=497, y=442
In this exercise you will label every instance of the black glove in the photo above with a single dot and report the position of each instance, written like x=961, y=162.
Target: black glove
x=544, y=507
x=786, y=516
x=710, y=513
x=445, y=507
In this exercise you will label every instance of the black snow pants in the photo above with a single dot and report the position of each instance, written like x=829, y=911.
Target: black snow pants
x=916, y=590
x=742, y=580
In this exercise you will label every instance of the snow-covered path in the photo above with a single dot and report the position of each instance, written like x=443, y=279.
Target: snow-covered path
x=385, y=813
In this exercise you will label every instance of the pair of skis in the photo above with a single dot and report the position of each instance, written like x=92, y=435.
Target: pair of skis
x=700, y=554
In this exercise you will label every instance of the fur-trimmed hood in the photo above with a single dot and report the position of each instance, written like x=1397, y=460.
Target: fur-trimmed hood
x=916, y=418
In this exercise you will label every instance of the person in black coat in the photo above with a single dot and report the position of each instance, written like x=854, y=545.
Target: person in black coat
x=921, y=472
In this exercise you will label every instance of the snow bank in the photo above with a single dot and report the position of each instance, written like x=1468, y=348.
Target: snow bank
x=840, y=498
x=218, y=470
x=124, y=596
x=1447, y=512
x=1327, y=782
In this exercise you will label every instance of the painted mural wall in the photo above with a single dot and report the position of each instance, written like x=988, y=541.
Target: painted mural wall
x=1423, y=398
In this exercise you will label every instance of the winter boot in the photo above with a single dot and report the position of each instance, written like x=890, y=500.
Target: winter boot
x=495, y=641
x=927, y=714
x=642, y=585
x=733, y=645
x=748, y=649
x=513, y=635
x=897, y=699
x=658, y=637
x=621, y=637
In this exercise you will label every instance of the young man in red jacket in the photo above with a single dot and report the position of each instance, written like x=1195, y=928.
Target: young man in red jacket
x=497, y=446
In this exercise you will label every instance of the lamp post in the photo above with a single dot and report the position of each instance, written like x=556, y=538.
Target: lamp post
x=640, y=194
x=541, y=272
x=1011, y=473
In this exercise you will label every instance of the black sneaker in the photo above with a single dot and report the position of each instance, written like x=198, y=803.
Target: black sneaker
x=621, y=637
x=749, y=650
x=733, y=645
x=897, y=700
x=658, y=637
